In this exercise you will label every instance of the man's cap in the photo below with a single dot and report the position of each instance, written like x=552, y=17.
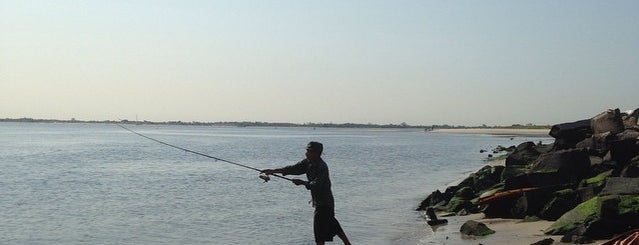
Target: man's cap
x=315, y=146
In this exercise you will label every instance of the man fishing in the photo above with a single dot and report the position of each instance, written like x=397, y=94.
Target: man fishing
x=325, y=226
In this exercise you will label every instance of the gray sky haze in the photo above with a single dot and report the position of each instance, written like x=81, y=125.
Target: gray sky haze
x=419, y=62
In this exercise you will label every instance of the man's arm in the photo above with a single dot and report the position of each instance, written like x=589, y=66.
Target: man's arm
x=271, y=171
x=296, y=169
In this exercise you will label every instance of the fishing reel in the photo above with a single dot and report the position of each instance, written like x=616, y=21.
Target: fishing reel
x=265, y=177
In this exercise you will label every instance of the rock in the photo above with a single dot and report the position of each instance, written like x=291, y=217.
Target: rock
x=520, y=208
x=531, y=219
x=534, y=202
x=562, y=202
x=628, y=134
x=608, y=121
x=622, y=151
x=600, y=217
x=461, y=206
x=485, y=178
x=515, y=177
x=544, y=148
x=595, y=160
x=452, y=200
x=568, y=134
x=621, y=186
x=501, y=208
x=457, y=204
x=597, y=144
x=630, y=120
x=465, y=193
x=524, y=154
x=459, y=198
x=555, y=208
x=632, y=169
x=474, y=228
x=435, y=199
x=560, y=167
x=591, y=187
x=584, y=213
x=576, y=236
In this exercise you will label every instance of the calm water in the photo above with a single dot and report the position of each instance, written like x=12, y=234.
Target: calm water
x=100, y=184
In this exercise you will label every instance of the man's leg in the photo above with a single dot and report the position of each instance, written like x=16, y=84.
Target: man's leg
x=341, y=234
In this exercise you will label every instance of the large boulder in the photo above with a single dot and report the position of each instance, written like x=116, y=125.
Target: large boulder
x=595, y=184
x=577, y=236
x=630, y=120
x=568, y=134
x=622, y=151
x=607, y=121
x=523, y=154
x=462, y=200
x=560, y=168
x=628, y=134
x=597, y=144
x=584, y=212
x=485, y=178
x=632, y=169
x=561, y=202
x=600, y=217
x=437, y=199
x=515, y=176
x=621, y=186
x=518, y=162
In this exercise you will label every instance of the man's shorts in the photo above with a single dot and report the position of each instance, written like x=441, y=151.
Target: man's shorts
x=325, y=226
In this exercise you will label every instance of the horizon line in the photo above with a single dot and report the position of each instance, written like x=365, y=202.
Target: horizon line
x=270, y=124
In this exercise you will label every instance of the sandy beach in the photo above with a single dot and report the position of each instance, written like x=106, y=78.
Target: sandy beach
x=495, y=131
x=507, y=231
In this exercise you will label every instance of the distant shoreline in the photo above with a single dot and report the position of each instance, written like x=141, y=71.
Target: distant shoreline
x=432, y=128
x=225, y=124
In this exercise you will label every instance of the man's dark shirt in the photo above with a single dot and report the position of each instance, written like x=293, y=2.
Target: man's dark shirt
x=318, y=180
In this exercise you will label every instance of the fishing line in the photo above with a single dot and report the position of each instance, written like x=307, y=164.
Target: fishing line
x=262, y=176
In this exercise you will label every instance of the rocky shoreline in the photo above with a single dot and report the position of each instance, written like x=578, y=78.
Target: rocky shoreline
x=582, y=188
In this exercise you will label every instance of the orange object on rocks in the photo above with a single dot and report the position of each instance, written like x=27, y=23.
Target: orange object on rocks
x=628, y=238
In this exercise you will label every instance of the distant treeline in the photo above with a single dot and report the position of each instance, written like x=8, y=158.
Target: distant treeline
x=271, y=124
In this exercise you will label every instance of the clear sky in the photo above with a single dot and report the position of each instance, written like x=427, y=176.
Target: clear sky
x=420, y=62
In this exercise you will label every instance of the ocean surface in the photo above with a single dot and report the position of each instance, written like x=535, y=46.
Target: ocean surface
x=63, y=183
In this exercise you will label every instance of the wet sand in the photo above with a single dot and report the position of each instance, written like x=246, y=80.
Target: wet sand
x=507, y=231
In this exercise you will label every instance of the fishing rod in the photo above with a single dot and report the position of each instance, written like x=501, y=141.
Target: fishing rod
x=262, y=176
